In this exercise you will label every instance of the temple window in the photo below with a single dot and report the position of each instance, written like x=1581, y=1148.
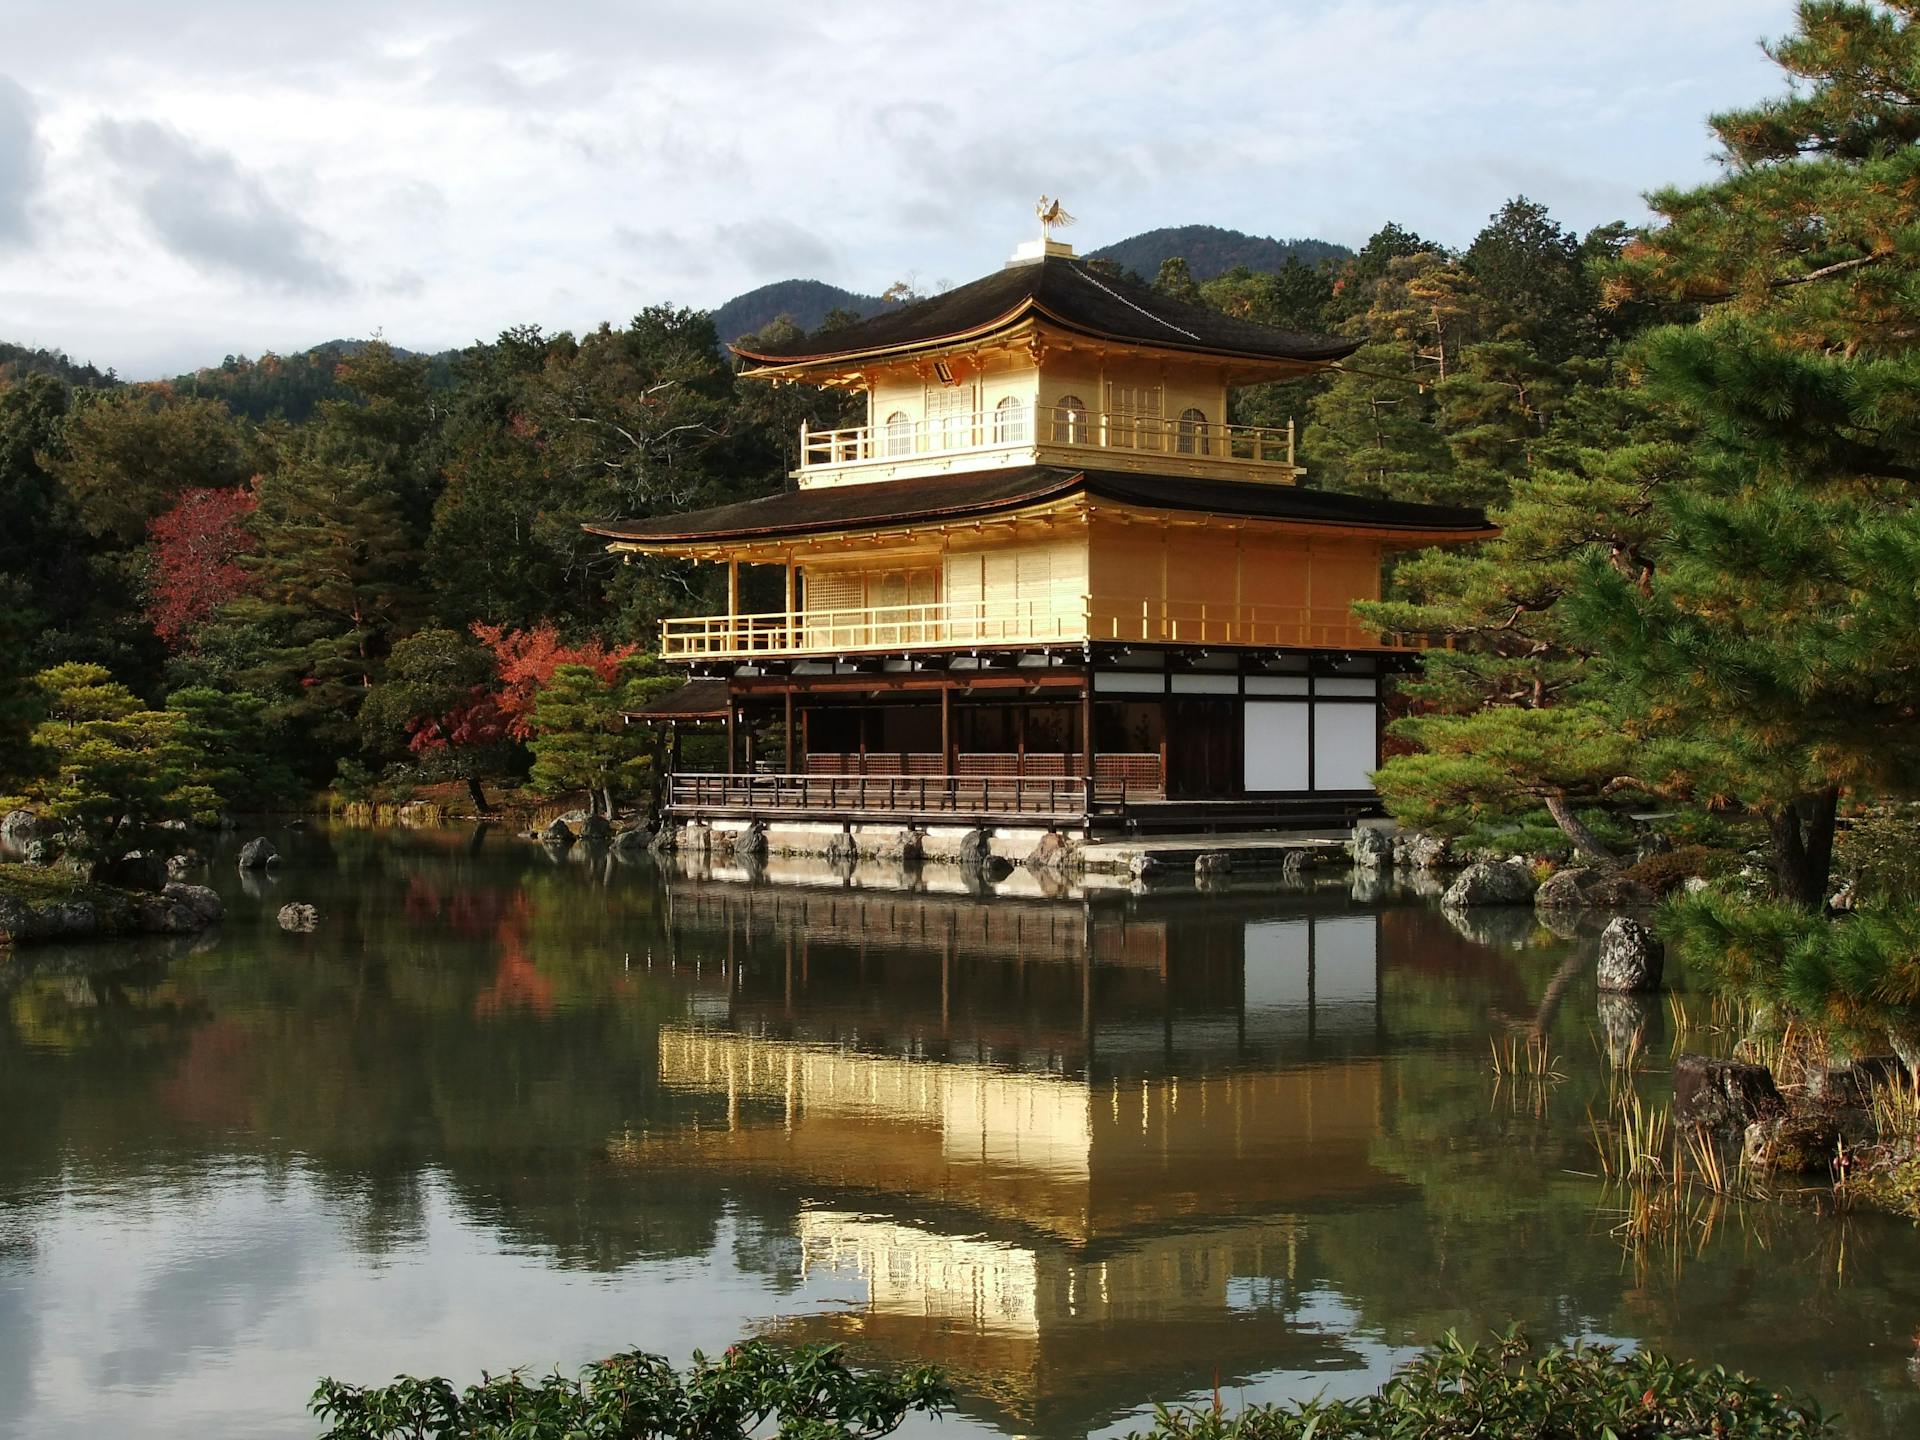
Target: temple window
x=1009, y=421
x=899, y=434
x=1070, y=421
x=1192, y=434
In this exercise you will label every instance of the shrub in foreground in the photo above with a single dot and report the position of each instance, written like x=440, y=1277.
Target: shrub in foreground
x=1512, y=1391
x=1506, y=1389
x=809, y=1393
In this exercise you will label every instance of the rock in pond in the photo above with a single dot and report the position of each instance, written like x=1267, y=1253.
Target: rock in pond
x=1722, y=1094
x=632, y=841
x=1490, y=882
x=1144, y=867
x=1580, y=888
x=557, y=833
x=299, y=917
x=1370, y=849
x=1806, y=1140
x=135, y=870
x=1055, y=853
x=49, y=920
x=1420, y=851
x=1630, y=957
x=1212, y=863
x=202, y=900
x=258, y=854
x=596, y=830
x=976, y=848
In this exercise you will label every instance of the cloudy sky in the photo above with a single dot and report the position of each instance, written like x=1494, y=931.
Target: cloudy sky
x=180, y=182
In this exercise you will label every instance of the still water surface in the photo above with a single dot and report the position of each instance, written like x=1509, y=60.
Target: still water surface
x=1088, y=1152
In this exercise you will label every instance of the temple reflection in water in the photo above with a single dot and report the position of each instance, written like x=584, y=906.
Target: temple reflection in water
x=1062, y=1154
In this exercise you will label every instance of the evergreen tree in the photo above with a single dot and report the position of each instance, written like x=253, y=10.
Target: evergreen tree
x=581, y=740
x=1509, y=718
x=334, y=585
x=1780, y=622
x=116, y=766
x=235, y=750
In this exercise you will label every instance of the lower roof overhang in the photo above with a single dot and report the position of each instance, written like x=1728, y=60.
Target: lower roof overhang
x=776, y=526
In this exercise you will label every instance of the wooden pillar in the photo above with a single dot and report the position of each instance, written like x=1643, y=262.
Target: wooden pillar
x=791, y=761
x=732, y=740
x=946, y=728
x=792, y=642
x=733, y=603
x=1086, y=724
x=1086, y=747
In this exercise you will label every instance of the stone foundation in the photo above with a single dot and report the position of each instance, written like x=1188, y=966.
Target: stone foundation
x=940, y=844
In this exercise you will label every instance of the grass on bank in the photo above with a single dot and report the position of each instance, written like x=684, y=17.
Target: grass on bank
x=1507, y=1388
x=41, y=885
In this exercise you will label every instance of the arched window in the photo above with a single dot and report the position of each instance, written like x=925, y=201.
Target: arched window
x=1009, y=421
x=899, y=434
x=1070, y=421
x=1191, y=437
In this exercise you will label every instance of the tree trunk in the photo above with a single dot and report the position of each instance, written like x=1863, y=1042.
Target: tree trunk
x=1584, y=840
x=1803, y=847
x=606, y=795
x=479, y=795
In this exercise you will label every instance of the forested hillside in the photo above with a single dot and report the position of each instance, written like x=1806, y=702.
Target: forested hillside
x=1211, y=251
x=806, y=303
x=18, y=361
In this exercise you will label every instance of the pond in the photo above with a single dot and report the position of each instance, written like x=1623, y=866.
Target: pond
x=1087, y=1150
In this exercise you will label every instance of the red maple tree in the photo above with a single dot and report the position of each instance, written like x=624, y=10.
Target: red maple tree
x=197, y=545
x=526, y=660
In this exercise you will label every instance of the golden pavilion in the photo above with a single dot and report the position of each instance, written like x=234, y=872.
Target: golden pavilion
x=1046, y=577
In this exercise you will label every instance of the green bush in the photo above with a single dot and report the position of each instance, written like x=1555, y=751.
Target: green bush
x=1509, y=1391
x=1502, y=1391
x=811, y=1393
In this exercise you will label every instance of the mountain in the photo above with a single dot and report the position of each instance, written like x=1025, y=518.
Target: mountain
x=805, y=302
x=1210, y=250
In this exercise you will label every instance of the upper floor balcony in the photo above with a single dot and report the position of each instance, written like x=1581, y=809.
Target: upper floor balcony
x=1062, y=619
x=1015, y=433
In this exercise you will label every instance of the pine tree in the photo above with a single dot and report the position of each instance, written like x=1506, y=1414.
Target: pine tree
x=116, y=766
x=334, y=585
x=581, y=740
x=1780, y=623
x=1509, y=720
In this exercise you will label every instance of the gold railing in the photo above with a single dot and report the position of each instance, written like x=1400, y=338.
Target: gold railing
x=1044, y=621
x=1026, y=427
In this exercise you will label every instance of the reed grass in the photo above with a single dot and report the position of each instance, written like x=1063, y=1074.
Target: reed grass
x=1531, y=1058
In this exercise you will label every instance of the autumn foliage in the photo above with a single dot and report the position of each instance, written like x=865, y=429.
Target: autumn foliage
x=526, y=659
x=197, y=545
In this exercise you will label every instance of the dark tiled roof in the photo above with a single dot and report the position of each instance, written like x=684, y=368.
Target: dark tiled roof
x=695, y=700
x=1071, y=294
x=985, y=492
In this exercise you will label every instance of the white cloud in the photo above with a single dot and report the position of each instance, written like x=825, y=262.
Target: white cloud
x=19, y=163
x=240, y=180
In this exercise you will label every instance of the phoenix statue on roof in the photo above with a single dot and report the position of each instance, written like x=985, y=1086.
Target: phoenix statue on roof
x=1052, y=214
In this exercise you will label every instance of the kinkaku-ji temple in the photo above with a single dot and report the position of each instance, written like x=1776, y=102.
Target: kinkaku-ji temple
x=1046, y=578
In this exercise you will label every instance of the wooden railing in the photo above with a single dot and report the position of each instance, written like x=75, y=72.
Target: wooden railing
x=981, y=784
x=1025, y=427
x=1053, y=620
x=931, y=795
